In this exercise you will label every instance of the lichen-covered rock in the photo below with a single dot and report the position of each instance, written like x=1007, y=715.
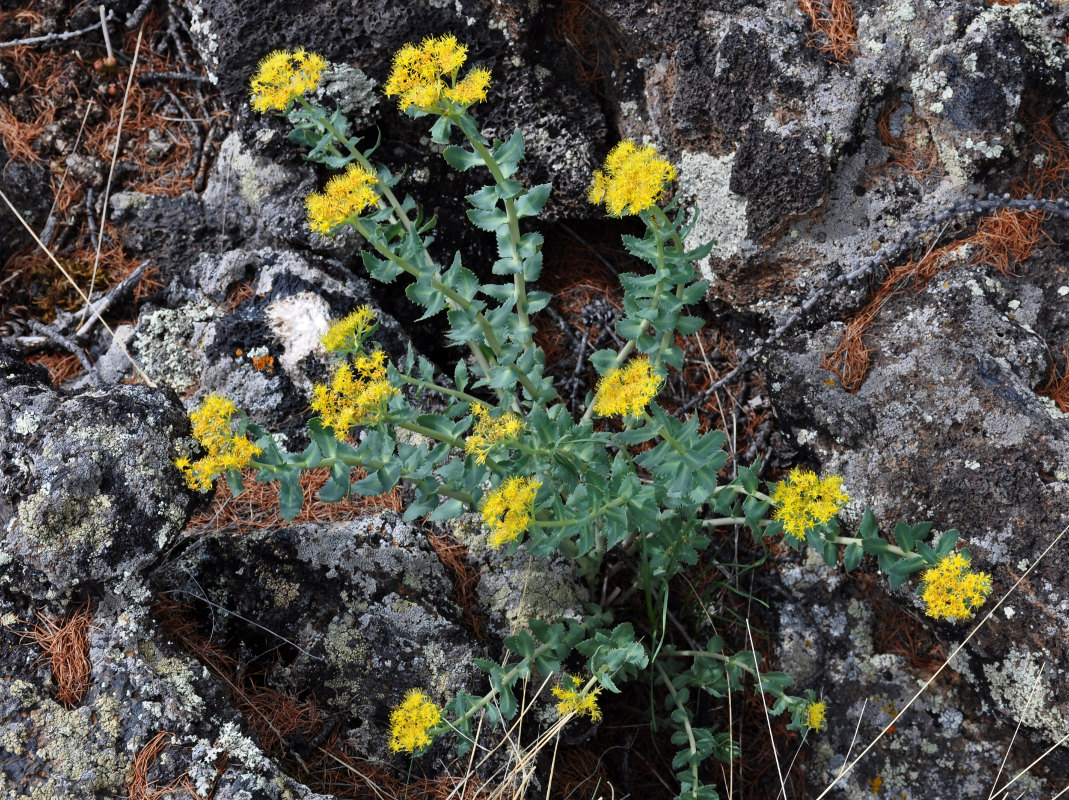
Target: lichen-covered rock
x=947, y=427
x=88, y=493
x=359, y=612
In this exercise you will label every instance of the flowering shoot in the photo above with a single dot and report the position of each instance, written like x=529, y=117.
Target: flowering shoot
x=573, y=700
x=420, y=73
x=344, y=195
x=508, y=509
x=357, y=394
x=626, y=390
x=815, y=713
x=634, y=178
x=282, y=77
x=803, y=501
x=411, y=722
x=952, y=591
x=225, y=449
x=346, y=335
x=490, y=431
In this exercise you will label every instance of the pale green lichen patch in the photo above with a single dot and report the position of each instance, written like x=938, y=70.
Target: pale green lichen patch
x=26, y=424
x=66, y=520
x=344, y=645
x=1022, y=684
x=168, y=342
x=75, y=744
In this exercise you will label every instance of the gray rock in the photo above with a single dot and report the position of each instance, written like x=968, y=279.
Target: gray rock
x=88, y=493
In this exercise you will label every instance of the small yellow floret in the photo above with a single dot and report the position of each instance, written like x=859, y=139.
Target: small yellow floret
x=490, y=431
x=423, y=75
x=349, y=332
x=953, y=591
x=224, y=450
x=633, y=179
x=803, y=501
x=626, y=390
x=411, y=722
x=573, y=700
x=283, y=76
x=815, y=714
x=344, y=195
x=508, y=509
x=357, y=394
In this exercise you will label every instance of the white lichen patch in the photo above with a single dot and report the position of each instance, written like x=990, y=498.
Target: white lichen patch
x=26, y=424
x=722, y=218
x=298, y=322
x=168, y=342
x=1020, y=682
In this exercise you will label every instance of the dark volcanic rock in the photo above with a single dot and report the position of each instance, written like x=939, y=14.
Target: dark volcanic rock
x=88, y=493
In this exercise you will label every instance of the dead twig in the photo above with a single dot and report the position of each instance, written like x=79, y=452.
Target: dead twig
x=51, y=38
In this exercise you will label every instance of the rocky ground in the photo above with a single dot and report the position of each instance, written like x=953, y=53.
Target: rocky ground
x=888, y=301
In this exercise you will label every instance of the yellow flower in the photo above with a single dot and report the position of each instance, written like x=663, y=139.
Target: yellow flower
x=411, y=722
x=357, y=394
x=574, y=700
x=508, y=509
x=344, y=195
x=953, y=591
x=283, y=76
x=349, y=332
x=815, y=715
x=626, y=390
x=633, y=179
x=489, y=431
x=804, y=501
x=419, y=75
x=212, y=428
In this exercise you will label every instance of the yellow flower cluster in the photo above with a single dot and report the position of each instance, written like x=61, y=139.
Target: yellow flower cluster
x=815, y=714
x=411, y=722
x=626, y=390
x=573, y=700
x=283, y=76
x=804, y=501
x=357, y=394
x=225, y=450
x=953, y=591
x=632, y=181
x=344, y=195
x=490, y=431
x=507, y=510
x=347, y=334
x=419, y=74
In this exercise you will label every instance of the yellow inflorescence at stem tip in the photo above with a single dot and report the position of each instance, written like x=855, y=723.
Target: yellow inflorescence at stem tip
x=283, y=76
x=357, y=394
x=803, y=501
x=634, y=178
x=626, y=390
x=573, y=700
x=508, y=509
x=952, y=591
x=490, y=431
x=412, y=721
x=225, y=450
x=423, y=75
x=344, y=195
x=347, y=333
x=815, y=714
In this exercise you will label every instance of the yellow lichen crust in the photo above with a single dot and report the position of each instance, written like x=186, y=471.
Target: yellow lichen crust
x=425, y=74
x=412, y=721
x=634, y=178
x=803, y=501
x=953, y=591
x=490, y=431
x=213, y=429
x=344, y=195
x=508, y=509
x=346, y=334
x=357, y=394
x=574, y=700
x=815, y=713
x=282, y=77
x=626, y=390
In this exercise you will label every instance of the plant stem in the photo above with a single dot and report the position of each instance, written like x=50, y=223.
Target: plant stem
x=891, y=548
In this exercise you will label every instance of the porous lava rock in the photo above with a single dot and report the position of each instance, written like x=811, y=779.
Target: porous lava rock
x=88, y=493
